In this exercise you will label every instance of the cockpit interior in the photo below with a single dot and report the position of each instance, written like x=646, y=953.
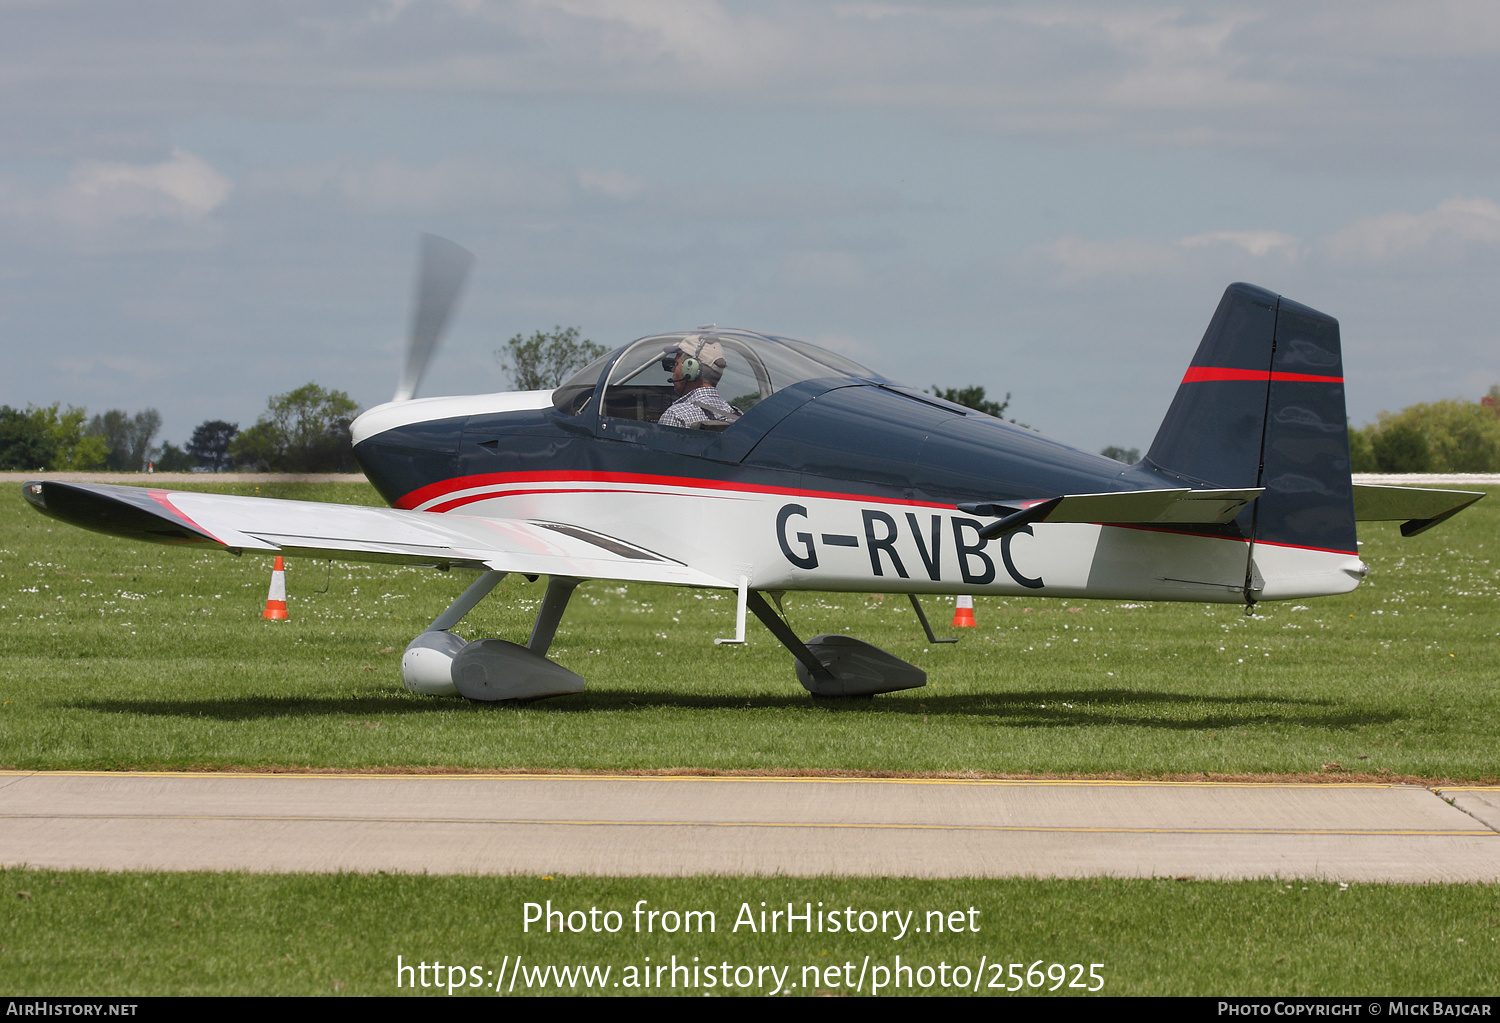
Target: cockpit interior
x=636, y=382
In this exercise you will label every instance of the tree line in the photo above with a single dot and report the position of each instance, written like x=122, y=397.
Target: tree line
x=1443, y=436
x=305, y=430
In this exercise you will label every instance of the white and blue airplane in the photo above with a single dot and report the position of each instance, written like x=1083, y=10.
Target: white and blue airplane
x=830, y=477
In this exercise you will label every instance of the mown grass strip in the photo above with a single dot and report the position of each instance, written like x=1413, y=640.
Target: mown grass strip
x=248, y=934
x=135, y=656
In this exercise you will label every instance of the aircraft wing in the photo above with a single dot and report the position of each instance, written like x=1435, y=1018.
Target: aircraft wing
x=348, y=532
x=1421, y=509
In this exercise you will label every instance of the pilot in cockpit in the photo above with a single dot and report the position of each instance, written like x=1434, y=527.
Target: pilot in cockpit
x=697, y=365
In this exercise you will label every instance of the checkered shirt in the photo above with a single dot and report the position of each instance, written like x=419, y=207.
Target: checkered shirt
x=697, y=405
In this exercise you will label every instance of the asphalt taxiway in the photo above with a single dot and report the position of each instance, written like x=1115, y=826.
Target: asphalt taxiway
x=681, y=825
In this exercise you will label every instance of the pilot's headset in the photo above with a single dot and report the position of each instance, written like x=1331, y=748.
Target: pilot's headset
x=692, y=366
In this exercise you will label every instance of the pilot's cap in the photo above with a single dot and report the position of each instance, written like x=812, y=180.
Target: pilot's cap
x=709, y=354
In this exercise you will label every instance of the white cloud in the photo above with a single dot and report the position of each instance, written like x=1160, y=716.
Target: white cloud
x=395, y=186
x=136, y=369
x=1257, y=243
x=516, y=184
x=1451, y=225
x=1085, y=257
x=611, y=183
x=1163, y=59
x=117, y=205
x=182, y=187
x=1192, y=73
x=1435, y=28
x=1446, y=231
x=699, y=33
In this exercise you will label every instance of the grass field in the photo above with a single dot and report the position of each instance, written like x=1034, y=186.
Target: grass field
x=118, y=655
x=132, y=656
x=227, y=934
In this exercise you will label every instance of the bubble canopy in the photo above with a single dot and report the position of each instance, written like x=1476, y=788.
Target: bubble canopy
x=636, y=384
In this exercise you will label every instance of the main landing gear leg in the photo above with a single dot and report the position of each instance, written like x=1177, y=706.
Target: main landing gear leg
x=440, y=663
x=559, y=591
x=916, y=605
x=830, y=665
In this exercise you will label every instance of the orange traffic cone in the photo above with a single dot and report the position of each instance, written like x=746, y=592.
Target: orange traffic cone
x=963, y=613
x=276, y=599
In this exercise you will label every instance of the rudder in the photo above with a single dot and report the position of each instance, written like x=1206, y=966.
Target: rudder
x=1309, y=498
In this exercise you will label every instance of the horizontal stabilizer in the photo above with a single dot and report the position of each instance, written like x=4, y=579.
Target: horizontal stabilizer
x=1142, y=507
x=1131, y=507
x=1419, y=509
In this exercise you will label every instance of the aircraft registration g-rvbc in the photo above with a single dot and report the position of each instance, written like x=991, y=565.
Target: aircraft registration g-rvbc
x=824, y=475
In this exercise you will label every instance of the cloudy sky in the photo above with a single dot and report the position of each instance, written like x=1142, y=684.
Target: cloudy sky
x=205, y=204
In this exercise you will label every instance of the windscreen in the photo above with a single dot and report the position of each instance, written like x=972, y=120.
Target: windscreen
x=640, y=382
x=573, y=396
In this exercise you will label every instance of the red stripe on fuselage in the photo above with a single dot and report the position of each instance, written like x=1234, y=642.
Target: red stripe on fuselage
x=1202, y=374
x=459, y=502
x=434, y=491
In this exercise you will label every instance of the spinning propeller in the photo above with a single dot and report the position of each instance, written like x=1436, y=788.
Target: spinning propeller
x=443, y=269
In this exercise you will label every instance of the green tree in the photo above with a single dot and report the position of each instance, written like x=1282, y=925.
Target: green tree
x=1464, y=435
x=47, y=438
x=172, y=458
x=973, y=397
x=112, y=429
x=543, y=361
x=25, y=441
x=210, y=443
x=1361, y=453
x=127, y=439
x=306, y=430
x=76, y=450
x=1401, y=447
x=1443, y=436
x=1129, y=456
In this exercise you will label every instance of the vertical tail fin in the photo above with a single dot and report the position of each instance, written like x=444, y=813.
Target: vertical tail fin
x=1213, y=430
x=1262, y=405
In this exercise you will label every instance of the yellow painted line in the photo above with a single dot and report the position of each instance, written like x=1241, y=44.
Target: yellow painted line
x=738, y=779
x=547, y=822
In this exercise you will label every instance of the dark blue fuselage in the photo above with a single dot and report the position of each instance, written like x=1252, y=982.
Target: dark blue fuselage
x=832, y=435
